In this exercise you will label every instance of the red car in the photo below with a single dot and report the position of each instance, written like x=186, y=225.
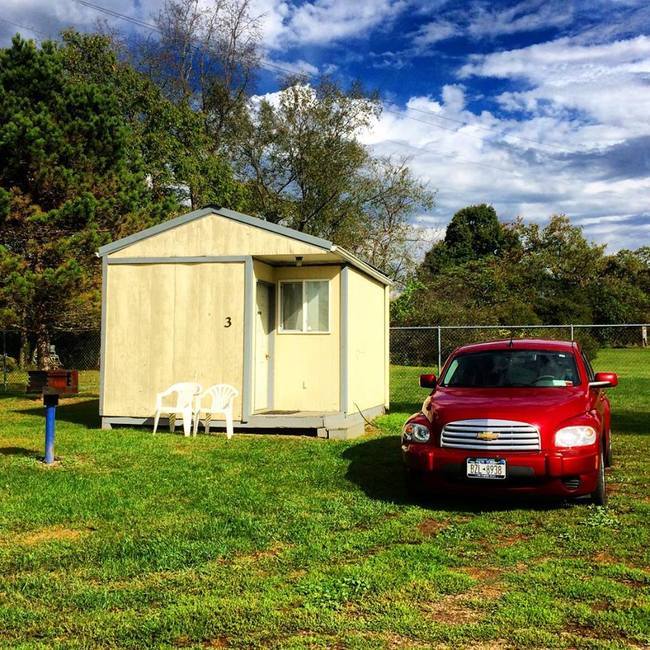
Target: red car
x=513, y=416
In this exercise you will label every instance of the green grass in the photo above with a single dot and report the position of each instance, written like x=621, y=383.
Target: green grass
x=289, y=542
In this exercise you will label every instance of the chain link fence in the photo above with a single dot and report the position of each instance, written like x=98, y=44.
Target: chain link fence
x=414, y=350
x=77, y=349
x=419, y=350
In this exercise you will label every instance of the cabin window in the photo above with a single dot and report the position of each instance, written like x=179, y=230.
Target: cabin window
x=305, y=306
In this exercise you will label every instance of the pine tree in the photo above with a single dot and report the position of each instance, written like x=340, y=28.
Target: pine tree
x=71, y=176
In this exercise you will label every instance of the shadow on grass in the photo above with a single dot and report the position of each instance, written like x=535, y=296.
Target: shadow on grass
x=630, y=422
x=16, y=394
x=19, y=451
x=84, y=413
x=376, y=467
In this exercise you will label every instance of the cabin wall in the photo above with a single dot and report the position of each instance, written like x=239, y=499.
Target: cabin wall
x=166, y=323
x=367, y=342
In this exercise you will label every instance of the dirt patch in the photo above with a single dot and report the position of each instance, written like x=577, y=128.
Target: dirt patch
x=395, y=641
x=270, y=553
x=488, y=585
x=512, y=535
x=462, y=608
x=452, y=610
x=511, y=540
x=219, y=642
x=431, y=527
x=604, y=558
x=481, y=573
x=44, y=535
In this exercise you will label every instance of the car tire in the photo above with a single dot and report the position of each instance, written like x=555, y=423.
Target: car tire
x=599, y=496
x=608, y=453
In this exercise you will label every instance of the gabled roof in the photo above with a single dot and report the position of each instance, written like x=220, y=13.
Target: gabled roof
x=250, y=221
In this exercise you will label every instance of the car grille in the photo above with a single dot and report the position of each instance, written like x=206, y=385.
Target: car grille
x=498, y=435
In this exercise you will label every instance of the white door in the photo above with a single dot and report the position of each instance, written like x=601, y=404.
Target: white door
x=263, y=332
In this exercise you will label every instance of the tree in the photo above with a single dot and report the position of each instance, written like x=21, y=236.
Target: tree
x=561, y=265
x=524, y=274
x=204, y=58
x=177, y=150
x=389, y=196
x=621, y=293
x=473, y=233
x=305, y=168
x=71, y=176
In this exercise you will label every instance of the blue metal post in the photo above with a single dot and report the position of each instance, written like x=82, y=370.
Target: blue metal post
x=50, y=402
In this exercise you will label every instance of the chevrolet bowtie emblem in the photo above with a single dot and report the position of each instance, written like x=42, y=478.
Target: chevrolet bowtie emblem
x=487, y=435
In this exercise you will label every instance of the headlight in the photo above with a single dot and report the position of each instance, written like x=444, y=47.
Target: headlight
x=578, y=436
x=416, y=432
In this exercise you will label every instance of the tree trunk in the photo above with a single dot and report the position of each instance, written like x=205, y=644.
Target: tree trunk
x=43, y=349
x=23, y=353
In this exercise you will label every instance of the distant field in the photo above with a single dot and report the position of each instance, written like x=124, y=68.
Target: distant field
x=294, y=542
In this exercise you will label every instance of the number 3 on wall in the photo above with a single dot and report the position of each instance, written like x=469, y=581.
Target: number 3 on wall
x=228, y=322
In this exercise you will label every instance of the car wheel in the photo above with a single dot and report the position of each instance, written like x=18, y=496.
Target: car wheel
x=608, y=453
x=599, y=496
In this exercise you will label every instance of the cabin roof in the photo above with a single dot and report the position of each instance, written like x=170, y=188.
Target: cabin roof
x=318, y=242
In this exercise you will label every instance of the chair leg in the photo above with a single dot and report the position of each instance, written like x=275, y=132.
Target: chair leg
x=187, y=422
x=155, y=421
x=197, y=417
x=207, y=421
x=229, y=427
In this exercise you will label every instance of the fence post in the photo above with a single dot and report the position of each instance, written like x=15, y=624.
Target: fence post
x=439, y=349
x=4, y=360
x=571, y=326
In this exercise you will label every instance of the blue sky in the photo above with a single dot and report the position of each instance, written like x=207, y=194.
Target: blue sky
x=535, y=106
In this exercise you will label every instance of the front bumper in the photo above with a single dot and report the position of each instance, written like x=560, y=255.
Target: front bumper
x=547, y=473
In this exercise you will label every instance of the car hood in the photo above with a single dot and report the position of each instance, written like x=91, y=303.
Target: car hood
x=545, y=408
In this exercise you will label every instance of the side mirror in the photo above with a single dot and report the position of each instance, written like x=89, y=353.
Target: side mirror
x=604, y=380
x=428, y=381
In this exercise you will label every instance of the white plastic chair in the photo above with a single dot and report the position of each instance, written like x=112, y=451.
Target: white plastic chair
x=185, y=404
x=221, y=398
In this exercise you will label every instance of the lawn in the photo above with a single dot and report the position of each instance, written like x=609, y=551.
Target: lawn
x=296, y=542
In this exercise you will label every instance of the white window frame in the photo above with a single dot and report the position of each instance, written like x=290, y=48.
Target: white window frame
x=304, y=329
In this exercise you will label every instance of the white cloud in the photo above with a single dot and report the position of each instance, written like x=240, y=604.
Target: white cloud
x=297, y=66
x=607, y=82
x=526, y=16
x=481, y=20
x=431, y=33
x=272, y=15
x=282, y=22
x=49, y=17
x=533, y=166
x=322, y=21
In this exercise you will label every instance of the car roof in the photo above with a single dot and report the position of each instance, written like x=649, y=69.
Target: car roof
x=520, y=344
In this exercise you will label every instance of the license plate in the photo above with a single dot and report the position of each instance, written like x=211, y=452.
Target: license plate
x=486, y=468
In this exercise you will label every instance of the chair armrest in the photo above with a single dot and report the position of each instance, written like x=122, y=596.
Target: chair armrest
x=160, y=396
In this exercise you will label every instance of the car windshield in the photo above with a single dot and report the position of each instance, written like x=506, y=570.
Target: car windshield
x=512, y=369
